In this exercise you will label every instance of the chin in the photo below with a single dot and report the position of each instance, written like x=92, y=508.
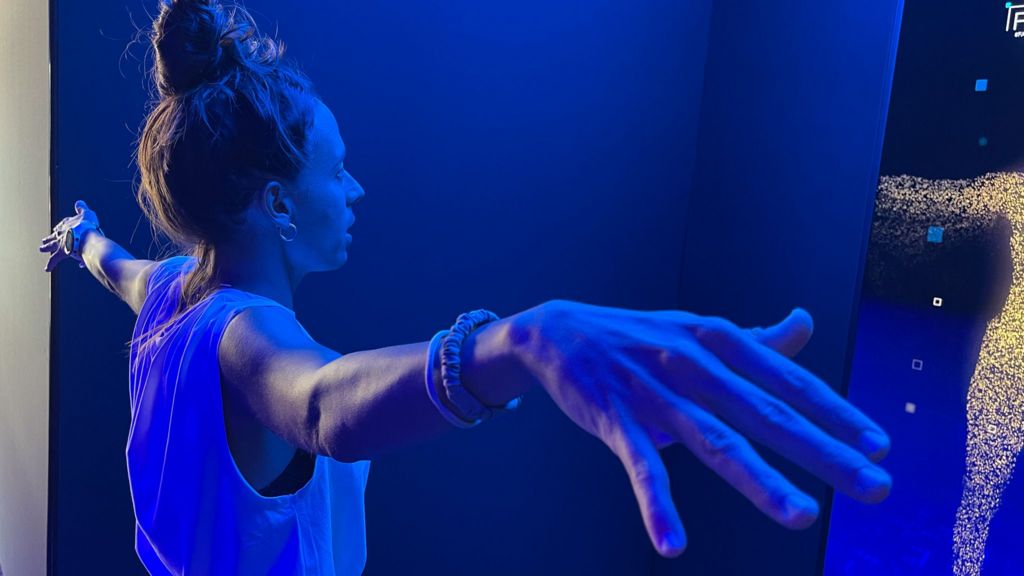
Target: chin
x=327, y=265
x=342, y=259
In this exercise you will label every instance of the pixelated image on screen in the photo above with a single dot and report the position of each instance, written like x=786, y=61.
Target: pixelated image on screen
x=938, y=358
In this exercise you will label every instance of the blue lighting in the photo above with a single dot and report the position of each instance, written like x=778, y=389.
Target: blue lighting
x=981, y=85
x=982, y=141
x=935, y=234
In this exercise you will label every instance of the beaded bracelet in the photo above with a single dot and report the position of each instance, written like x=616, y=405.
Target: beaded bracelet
x=469, y=411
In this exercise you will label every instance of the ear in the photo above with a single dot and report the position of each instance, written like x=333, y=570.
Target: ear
x=277, y=204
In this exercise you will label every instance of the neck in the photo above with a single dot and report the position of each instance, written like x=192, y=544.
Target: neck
x=261, y=269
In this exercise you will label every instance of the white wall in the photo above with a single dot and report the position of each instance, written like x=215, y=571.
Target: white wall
x=25, y=302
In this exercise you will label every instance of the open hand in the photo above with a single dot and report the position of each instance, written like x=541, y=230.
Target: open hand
x=641, y=380
x=52, y=243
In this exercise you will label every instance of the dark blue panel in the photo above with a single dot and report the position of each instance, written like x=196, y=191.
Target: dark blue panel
x=794, y=100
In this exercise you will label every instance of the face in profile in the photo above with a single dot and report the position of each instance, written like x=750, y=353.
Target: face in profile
x=324, y=195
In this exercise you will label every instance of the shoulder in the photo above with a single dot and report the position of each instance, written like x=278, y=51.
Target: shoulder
x=173, y=266
x=153, y=271
x=266, y=347
x=271, y=372
x=146, y=274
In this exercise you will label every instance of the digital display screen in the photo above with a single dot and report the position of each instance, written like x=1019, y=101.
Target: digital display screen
x=938, y=357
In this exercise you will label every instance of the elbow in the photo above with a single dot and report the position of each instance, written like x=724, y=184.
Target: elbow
x=328, y=432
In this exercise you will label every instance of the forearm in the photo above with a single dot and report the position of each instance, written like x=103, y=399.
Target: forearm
x=370, y=402
x=97, y=252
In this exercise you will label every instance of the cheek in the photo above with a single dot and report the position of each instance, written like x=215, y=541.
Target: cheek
x=332, y=208
x=328, y=214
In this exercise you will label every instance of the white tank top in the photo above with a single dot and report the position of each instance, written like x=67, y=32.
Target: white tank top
x=195, y=513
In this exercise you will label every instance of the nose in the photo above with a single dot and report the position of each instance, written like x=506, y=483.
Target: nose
x=356, y=192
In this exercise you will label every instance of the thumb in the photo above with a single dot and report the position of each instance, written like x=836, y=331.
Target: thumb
x=789, y=336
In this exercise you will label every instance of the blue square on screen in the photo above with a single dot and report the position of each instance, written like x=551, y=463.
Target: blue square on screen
x=981, y=85
x=934, y=234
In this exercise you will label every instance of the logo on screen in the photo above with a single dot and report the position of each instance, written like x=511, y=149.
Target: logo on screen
x=1015, y=19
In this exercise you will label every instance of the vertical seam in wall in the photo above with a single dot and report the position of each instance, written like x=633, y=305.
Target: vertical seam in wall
x=691, y=180
x=53, y=485
x=696, y=152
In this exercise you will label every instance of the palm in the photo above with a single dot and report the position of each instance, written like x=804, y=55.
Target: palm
x=52, y=242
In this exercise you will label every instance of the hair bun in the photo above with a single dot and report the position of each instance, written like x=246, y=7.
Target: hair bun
x=198, y=41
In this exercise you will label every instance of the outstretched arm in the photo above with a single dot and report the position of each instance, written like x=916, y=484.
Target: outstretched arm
x=637, y=380
x=115, y=268
x=359, y=405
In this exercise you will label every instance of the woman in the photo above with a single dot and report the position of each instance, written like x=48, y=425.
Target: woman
x=243, y=165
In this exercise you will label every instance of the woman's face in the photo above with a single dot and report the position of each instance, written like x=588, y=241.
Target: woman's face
x=324, y=195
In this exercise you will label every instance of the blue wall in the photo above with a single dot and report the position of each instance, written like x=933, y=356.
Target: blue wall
x=561, y=136
x=566, y=136
x=787, y=164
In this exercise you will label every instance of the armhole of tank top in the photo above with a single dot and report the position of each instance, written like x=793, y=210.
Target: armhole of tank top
x=167, y=270
x=160, y=280
x=155, y=301
x=254, y=300
x=156, y=278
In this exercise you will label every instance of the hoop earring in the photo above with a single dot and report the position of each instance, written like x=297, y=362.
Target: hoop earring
x=294, y=234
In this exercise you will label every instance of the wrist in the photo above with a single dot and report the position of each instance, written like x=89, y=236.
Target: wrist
x=88, y=241
x=527, y=335
x=492, y=369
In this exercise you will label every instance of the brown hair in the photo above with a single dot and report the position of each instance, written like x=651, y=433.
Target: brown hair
x=228, y=114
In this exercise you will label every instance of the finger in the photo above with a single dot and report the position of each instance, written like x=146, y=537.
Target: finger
x=66, y=223
x=721, y=449
x=54, y=259
x=49, y=244
x=797, y=387
x=769, y=420
x=650, y=483
x=789, y=336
